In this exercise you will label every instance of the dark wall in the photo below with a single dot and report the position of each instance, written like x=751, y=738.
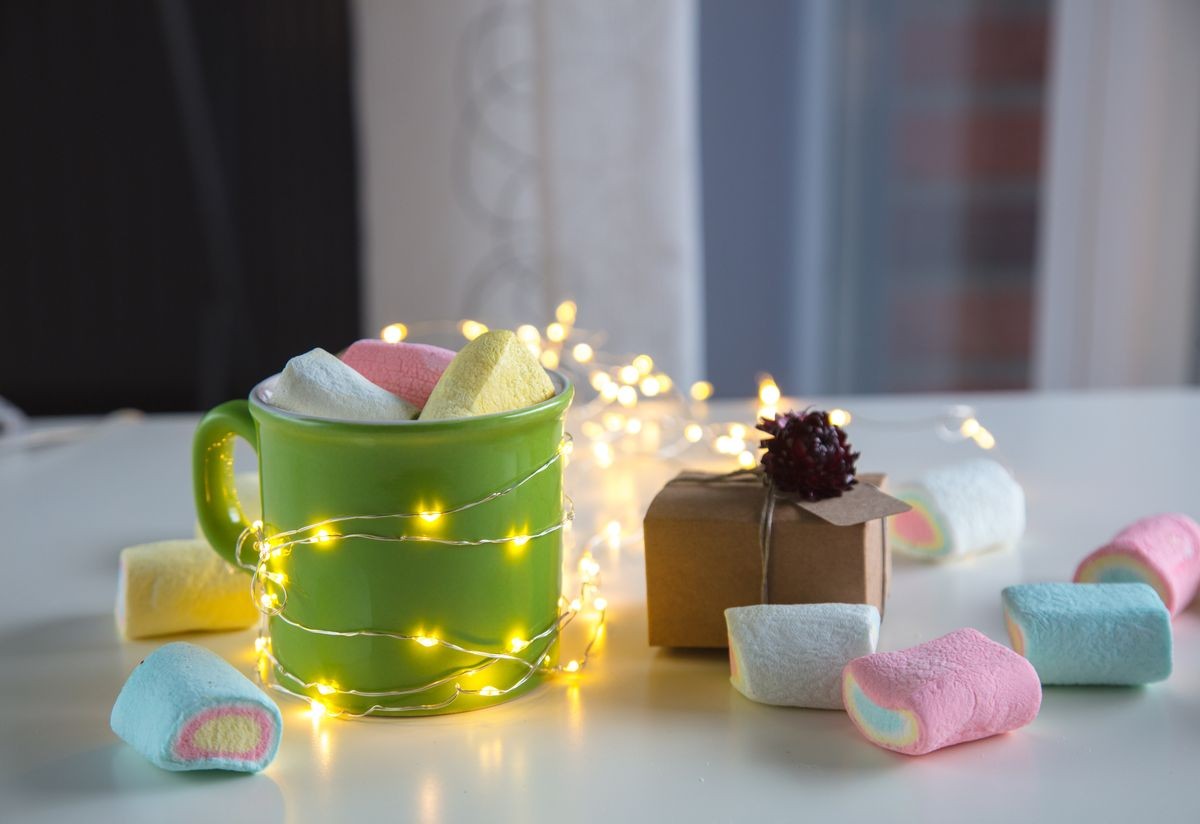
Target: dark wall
x=177, y=198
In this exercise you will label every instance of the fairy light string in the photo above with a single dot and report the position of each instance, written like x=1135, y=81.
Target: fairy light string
x=269, y=588
x=610, y=421
x=612, y=427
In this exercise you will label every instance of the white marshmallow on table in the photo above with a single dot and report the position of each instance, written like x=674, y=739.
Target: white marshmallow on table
x=793, y=654
x=958, y=510
x=318, y=383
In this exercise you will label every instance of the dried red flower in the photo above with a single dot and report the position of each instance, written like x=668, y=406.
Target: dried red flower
x=808, y=456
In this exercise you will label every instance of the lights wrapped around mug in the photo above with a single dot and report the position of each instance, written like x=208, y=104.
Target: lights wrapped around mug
x=269, y=587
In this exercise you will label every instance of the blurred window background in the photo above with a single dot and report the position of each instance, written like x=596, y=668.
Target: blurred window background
x=871, y=177
x=856, y=196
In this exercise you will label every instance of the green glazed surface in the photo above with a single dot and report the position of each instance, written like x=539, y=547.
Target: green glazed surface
x=479, y=597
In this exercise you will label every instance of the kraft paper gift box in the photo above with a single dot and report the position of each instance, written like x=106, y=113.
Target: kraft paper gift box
x=703, y=552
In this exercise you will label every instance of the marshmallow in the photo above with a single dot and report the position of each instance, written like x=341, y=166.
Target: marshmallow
x=493, y=373
x=184, y=708
x=317, y=383
x=409, y=370
x=1090, y=633
x=960, y=687
x=793, y=654
x=180, y=586
x=1162, y=551
x=958, y=510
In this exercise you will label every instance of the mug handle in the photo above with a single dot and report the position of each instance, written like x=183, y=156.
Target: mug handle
x=217, y=506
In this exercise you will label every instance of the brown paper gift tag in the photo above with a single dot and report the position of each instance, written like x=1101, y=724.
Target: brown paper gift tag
x=864, y=502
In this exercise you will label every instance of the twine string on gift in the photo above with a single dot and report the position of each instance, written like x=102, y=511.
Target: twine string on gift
x=765, y=525
x=766, y=517
x=766, y=521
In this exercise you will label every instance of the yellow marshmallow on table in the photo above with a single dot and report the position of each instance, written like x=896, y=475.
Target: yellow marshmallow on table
x=180, y=586
x=493, y=373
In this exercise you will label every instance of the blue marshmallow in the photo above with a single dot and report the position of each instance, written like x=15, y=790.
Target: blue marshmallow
x=185, y=708
x=1090, y=633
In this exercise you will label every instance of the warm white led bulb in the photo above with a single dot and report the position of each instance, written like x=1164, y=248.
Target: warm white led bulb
x=394, y=332
x=583, y=353
x=472, y=329
x=839, y=417
x=603, y=454
x=589, y=568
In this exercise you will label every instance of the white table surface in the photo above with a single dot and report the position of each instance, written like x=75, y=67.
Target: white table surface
x=644, y=734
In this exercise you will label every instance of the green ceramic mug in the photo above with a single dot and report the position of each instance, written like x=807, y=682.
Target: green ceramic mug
x=499, y=596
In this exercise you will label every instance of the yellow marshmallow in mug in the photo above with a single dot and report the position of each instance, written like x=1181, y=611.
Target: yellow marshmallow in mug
x=493, y=373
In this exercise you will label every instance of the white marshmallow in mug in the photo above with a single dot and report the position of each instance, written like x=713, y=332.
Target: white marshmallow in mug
x=318, y=383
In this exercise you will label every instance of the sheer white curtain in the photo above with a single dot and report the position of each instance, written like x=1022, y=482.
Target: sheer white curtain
x=1121, y=213
x=514, y=154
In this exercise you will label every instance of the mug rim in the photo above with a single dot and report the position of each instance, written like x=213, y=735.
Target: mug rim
x=564, y=391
